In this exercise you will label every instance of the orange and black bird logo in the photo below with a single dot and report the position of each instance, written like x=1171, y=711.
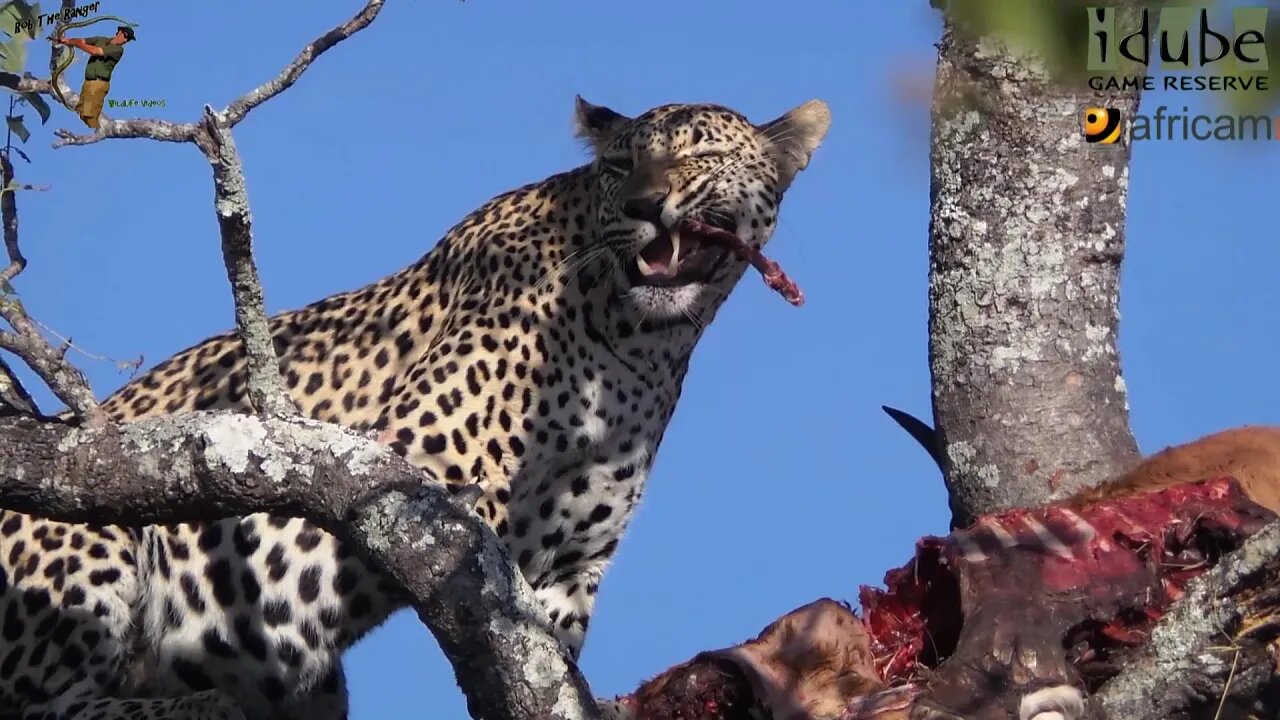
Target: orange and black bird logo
x=1101, y=125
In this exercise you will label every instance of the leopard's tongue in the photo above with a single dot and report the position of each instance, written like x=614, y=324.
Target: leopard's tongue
x=773, y=274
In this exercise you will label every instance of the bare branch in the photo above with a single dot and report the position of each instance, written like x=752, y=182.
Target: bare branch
x=203, y=466
x=25, y=84
x=231, y=203
x=67, y=344
x=237, y=110
x=150, y=129
x=66, y=382
x=9, y=218
x=31, y=187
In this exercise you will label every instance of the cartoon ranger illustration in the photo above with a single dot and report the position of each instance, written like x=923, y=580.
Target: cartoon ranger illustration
x=104, y=54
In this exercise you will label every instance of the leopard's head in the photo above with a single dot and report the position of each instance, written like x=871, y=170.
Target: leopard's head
x=678, y=162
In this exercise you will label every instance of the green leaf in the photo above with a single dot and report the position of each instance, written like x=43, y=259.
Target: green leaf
x=39, y=104
x=21, y=154
x=17, y=128
x=17, y=13
x=15, y=54
x=1056, y=32
x=6, y=288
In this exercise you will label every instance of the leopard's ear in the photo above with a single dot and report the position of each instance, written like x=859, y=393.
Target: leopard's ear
x=595, y=124
x=793, y=137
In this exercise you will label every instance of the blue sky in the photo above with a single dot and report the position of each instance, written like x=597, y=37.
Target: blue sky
x=762, y=499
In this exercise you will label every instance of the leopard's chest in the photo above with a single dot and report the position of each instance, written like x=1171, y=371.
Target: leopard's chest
x=574, y=496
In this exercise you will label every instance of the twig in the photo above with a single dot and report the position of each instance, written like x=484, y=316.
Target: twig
x=231, y=203
x=1226, y=689
x=69, y=344
x=31, y=187
x=237, y=110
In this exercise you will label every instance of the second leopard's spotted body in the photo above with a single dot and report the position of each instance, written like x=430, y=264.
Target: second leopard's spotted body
x=538, y=350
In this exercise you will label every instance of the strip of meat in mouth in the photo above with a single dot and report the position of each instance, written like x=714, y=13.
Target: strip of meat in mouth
x=774, y=276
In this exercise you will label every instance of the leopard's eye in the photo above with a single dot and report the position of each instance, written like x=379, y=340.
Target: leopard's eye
x=707, y=155
x=620, y=164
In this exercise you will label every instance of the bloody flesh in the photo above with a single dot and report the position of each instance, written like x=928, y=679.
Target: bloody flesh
x=1077, y=587
x=773, y=274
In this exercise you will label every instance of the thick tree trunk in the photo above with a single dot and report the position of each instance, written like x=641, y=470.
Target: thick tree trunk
x=1026, y=238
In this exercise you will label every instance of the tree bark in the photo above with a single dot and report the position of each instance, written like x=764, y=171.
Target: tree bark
x=1213, y=655
x=1026, y=238
x=205, y=466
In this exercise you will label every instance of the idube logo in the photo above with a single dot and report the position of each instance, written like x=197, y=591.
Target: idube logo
x=1194, y=52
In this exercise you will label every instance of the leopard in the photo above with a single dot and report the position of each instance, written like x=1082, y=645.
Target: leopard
x=529, y=362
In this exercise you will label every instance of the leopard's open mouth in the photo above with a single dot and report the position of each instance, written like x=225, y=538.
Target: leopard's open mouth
x=681, y=255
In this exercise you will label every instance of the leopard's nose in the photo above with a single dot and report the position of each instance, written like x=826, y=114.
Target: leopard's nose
x=645, y=207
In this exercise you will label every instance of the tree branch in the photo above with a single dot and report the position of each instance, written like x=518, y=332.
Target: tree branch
x=205, y=466
x=231, y=203
x=9, y=218
x=135, y=128
x=236, y=111
x=1210, y=637
x=25, y=83
x=14, y=398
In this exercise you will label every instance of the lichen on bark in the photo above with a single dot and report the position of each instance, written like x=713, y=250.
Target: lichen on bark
x=1026, y=238
x=203, y=466
x=1209, y=655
